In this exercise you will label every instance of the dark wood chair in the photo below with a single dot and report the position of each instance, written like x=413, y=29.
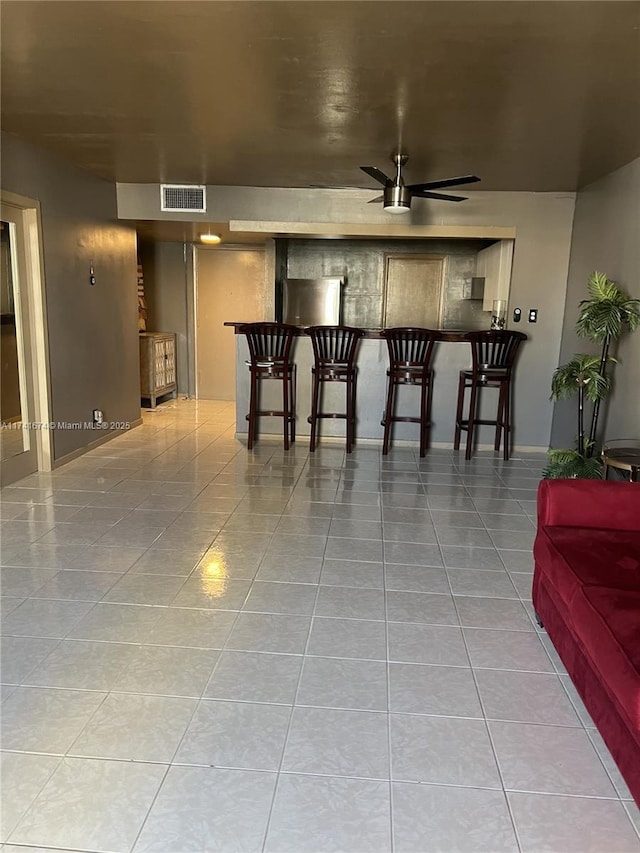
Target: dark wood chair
x=410, y=354
x=493, y=356
x=270, y=348
x=334, y=352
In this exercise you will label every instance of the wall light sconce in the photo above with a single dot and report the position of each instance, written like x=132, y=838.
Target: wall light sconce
x=210, y=239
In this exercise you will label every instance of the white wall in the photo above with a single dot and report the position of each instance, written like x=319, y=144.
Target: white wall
x=606, y=237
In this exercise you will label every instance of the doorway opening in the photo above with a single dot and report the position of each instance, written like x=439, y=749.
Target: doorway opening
x=25, y=434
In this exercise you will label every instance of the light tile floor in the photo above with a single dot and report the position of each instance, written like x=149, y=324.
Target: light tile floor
x=206, y=649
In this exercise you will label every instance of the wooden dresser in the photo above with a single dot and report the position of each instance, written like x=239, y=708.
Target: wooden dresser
x=157, y=365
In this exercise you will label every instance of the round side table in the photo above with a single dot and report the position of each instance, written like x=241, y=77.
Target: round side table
x=625, y=458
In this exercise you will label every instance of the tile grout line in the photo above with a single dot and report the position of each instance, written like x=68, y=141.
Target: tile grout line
x=392, y=832
x=291, y=715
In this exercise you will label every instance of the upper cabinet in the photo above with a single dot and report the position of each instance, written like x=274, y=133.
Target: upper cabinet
x=494, y=265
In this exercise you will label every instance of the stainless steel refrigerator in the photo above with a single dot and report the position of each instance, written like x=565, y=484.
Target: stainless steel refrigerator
x=312, y=301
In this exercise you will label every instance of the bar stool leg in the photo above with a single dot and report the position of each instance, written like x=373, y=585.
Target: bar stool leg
x=351, y=393
x=500, y=418
x=313, y=419
x=292, y=413
x=459, y=411
x=388, y=415
x=506, y=414
x=251, y=417
x=354, y=385
x=473, y=403
x=424, y=414
x=429, y=402
x=286, y=386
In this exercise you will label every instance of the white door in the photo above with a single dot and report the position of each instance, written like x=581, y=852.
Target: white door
x=230, y=287
x=18, y=450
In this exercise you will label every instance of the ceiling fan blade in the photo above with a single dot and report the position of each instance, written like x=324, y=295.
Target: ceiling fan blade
x=440, y=196
x=378, y=198
x=336, y=187
x=447, y=182
x=376, y=174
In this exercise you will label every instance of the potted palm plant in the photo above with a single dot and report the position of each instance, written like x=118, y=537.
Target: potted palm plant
x=603, y=319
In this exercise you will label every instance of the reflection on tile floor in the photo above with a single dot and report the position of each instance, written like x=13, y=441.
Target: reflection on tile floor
x=206, y=649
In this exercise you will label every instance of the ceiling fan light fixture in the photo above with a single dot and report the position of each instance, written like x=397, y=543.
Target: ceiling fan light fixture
x=397, y=195
x=397, y=199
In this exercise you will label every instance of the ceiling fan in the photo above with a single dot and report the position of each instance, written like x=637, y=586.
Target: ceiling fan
x=397, y=195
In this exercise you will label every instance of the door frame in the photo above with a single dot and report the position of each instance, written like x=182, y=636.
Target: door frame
x=37, y=360
x=416, y=256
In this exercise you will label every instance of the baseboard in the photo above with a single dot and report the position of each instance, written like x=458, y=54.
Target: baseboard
x=336, y=440
x=76, y=454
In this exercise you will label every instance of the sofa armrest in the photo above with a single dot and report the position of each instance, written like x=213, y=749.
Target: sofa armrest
x=589, y=503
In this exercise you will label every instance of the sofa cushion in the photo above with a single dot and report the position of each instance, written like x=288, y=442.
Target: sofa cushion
x=607, y=622
x=589, y=504
x=572, y=557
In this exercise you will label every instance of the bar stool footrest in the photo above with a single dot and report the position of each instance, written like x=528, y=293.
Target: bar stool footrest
x=272, y=414
x=465, y=424
x=334, y=415
x=404, y=420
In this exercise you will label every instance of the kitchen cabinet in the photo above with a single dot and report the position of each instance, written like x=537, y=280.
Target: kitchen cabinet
x=494, y=265
x=157, y=365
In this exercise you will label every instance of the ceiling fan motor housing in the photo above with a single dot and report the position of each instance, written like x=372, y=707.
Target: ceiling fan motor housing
x=397, y=199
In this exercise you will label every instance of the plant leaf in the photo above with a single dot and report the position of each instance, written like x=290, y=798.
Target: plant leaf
x=569, y=464
x=609, y=311
x=583, y=370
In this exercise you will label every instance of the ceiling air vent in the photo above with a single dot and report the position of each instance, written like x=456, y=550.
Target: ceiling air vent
x=185, y=198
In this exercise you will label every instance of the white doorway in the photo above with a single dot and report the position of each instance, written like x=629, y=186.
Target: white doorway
x=25, y=436
x=230, y=286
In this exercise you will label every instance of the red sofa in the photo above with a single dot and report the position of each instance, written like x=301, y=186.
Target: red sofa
x=586, y=593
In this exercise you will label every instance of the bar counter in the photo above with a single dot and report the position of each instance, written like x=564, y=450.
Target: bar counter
x=452, y=354
x=447, y=335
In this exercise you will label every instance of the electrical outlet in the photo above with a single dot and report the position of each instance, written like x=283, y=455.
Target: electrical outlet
x=533, y=315
x=98, y=417
x=92, y=275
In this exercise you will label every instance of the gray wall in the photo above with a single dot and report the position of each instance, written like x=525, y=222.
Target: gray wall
x=361, y=262
x=93, y=337
x=165, y=285
x=606, y=238
x=542, y=221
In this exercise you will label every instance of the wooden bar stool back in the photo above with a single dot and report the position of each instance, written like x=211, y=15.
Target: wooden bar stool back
x=493, y=356
x=270, y=347
x=334, y=352
x=410, y=354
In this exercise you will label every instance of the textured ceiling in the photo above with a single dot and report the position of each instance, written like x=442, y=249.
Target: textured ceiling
x=536, y=96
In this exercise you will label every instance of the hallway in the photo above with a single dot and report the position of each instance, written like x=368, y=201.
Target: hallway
x=205, y=649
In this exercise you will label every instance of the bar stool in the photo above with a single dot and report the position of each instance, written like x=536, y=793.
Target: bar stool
x=493, y=355
x=270, y=347
x=334, y=352
x=410, y=353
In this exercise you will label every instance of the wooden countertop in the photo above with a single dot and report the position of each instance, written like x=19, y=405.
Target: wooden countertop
x=448, y=335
